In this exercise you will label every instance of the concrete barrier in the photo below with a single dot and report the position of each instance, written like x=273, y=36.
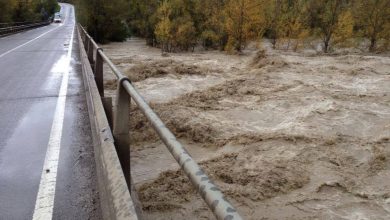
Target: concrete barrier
x=115, y=199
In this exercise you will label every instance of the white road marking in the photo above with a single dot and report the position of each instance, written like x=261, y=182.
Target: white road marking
x=45, y=199
x=28, y=42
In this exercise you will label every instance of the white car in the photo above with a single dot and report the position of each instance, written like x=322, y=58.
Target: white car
x=57, y=19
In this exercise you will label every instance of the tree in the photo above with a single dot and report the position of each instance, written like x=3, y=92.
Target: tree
x=27, y=10
x=6, y=7
x=373, y=17
x=164, y=26
x=276, y=20
x=245, y=20
x=142, y=19
x=230, y=24
x=50, y=6
x=104, y=19
x=295, y=21
x=186, y=35
x=23, y=12
x=209, y=21
x=175, y=28
x=286, y=20
x=344, y=27
x=324, y=17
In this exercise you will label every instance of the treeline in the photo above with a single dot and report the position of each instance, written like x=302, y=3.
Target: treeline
x=175, y=25
x=27, y=10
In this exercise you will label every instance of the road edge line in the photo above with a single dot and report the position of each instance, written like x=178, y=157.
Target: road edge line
x=44, y=204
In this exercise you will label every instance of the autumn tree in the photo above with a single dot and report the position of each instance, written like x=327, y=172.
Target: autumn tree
x=164, y=26
x=344, y=28
x=295, y=21
x=210, y=23
x=244, y=20
x=286, y=19
x=185, y=34
x=373, y=17
x=276, y=20
x=176, y=25
x=175, y=28
x=324, y=18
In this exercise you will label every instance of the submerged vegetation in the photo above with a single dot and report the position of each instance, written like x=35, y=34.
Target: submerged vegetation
x=180, y=25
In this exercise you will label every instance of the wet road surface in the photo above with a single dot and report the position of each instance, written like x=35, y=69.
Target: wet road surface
x=32, y=71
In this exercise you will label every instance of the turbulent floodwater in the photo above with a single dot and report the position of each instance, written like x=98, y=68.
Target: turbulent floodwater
x=285, y=135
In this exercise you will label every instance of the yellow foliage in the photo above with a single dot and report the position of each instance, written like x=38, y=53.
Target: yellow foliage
x=244, y=20
x=163, y=30
x=344, y=28
x=175, y=28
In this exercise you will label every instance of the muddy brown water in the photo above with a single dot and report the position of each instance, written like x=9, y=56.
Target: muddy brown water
x=285, y=136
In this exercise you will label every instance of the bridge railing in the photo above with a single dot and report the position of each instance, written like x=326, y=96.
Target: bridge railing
x=126, y=93
x=11, y=28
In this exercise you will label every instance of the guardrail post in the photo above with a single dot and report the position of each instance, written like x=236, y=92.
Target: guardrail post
x=81, y=35
x=86, y=44
x=121, y=128
x=90, y=51
x=107, y=104
x=99, y=72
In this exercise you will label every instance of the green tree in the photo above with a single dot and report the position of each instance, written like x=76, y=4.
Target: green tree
x=104, y=19
x=142, y=19
x=6, y=7
x=50, y=6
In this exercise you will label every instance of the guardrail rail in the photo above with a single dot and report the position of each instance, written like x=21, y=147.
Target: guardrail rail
x=14, y=24
x=126, y=92
x=12, y=28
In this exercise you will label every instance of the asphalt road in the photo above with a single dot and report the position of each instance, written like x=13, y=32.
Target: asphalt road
x=42, y=100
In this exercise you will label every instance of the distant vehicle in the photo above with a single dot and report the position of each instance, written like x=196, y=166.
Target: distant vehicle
x=57, y=19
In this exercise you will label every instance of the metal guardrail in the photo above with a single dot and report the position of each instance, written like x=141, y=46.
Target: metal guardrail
x=126, y=92
x=21, y=27
x=13, y=24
